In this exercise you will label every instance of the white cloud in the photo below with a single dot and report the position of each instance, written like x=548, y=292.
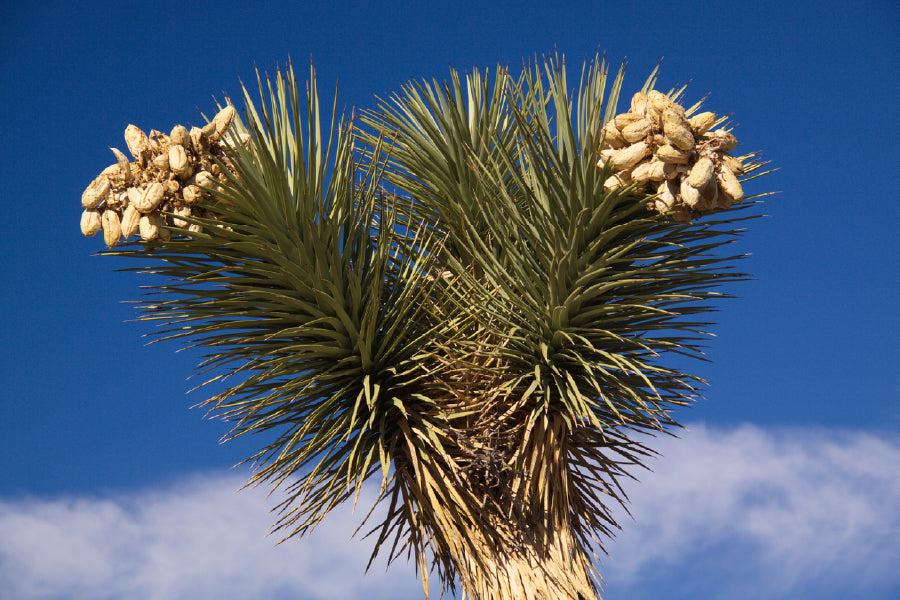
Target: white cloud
x=728, y=513
x=790, y=512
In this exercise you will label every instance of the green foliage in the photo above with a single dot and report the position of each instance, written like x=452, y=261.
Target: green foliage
x=443, y=295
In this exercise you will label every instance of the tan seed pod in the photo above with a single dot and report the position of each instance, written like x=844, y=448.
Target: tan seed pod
x=700, y=123
x=112, y=228
x=701, y=173
x=194, y=228
x=689, y=194
x=612, y=137
x=605, y=155
x=90, y=222
x=124, y=165
x=677, y=130
x=223, y=119
x=733, y=163
x=666, y=196
x=199, y=141
x=209, y=130
x=721, y=139
x=137, y=141
x=639, y=103
x=671, y=154
x=150, y=227
x=179, y=162
x=191, y=194
x=172, y=187
x=641, y=171
x=630, y=156
x=204, y=179
x=112, y=170
x=180, y=136
x=654, y=116
x=730, y=190
x=149, y=198
x=670, y=170
x=625, y=119
x=616, y=181
x=183, y=211
x=708, y=195
x=161, y=161
x=637, y=130
x=130, y=219
x=658, y=100
x=657, y=169
x=95, y=193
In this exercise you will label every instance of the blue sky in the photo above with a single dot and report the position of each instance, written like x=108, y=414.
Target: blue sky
x=786, y=484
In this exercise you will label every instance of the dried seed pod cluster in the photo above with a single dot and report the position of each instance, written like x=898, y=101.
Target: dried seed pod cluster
x=678, y=156
x=169, y=174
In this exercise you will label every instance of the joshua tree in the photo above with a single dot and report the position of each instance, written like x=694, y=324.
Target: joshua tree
x=467, y=293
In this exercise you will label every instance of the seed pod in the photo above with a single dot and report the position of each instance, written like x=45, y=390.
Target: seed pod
x=636, y=130
x=612, y=137
x=204, y=179
x=657, y=169
x=701, y=123
x=671, y=154
x=172, y=187
x=658, y=100
x=195, y=228
x=191, y=194
x=677, y=130
x=666, y=196
x=639, y=103
x=722, y=140
x=605, y=155
x=137, y=141
x=670, y=170
x=209, y=130
x=708, y=195
x=223, y=119
x=701, y=173
x=654, y=116
x=95, y=192
x=124, y=165
x=616, y=181
x=147, y=199
x=183, y=211
x=199, y=141
x=689, y=194
x=90, y=222
x=151, y=227
x=112, y=228
x=733, y=163
x=130, y=219
x=626, y=119
x=180, y=136
x=111, y=170
x=730, y=190
x=161, y=161
x=630, y=156
x=641, y=172
x=178, y=161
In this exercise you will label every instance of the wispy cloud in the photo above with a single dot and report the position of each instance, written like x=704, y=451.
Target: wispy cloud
x=753, y=513
x=727, y=514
